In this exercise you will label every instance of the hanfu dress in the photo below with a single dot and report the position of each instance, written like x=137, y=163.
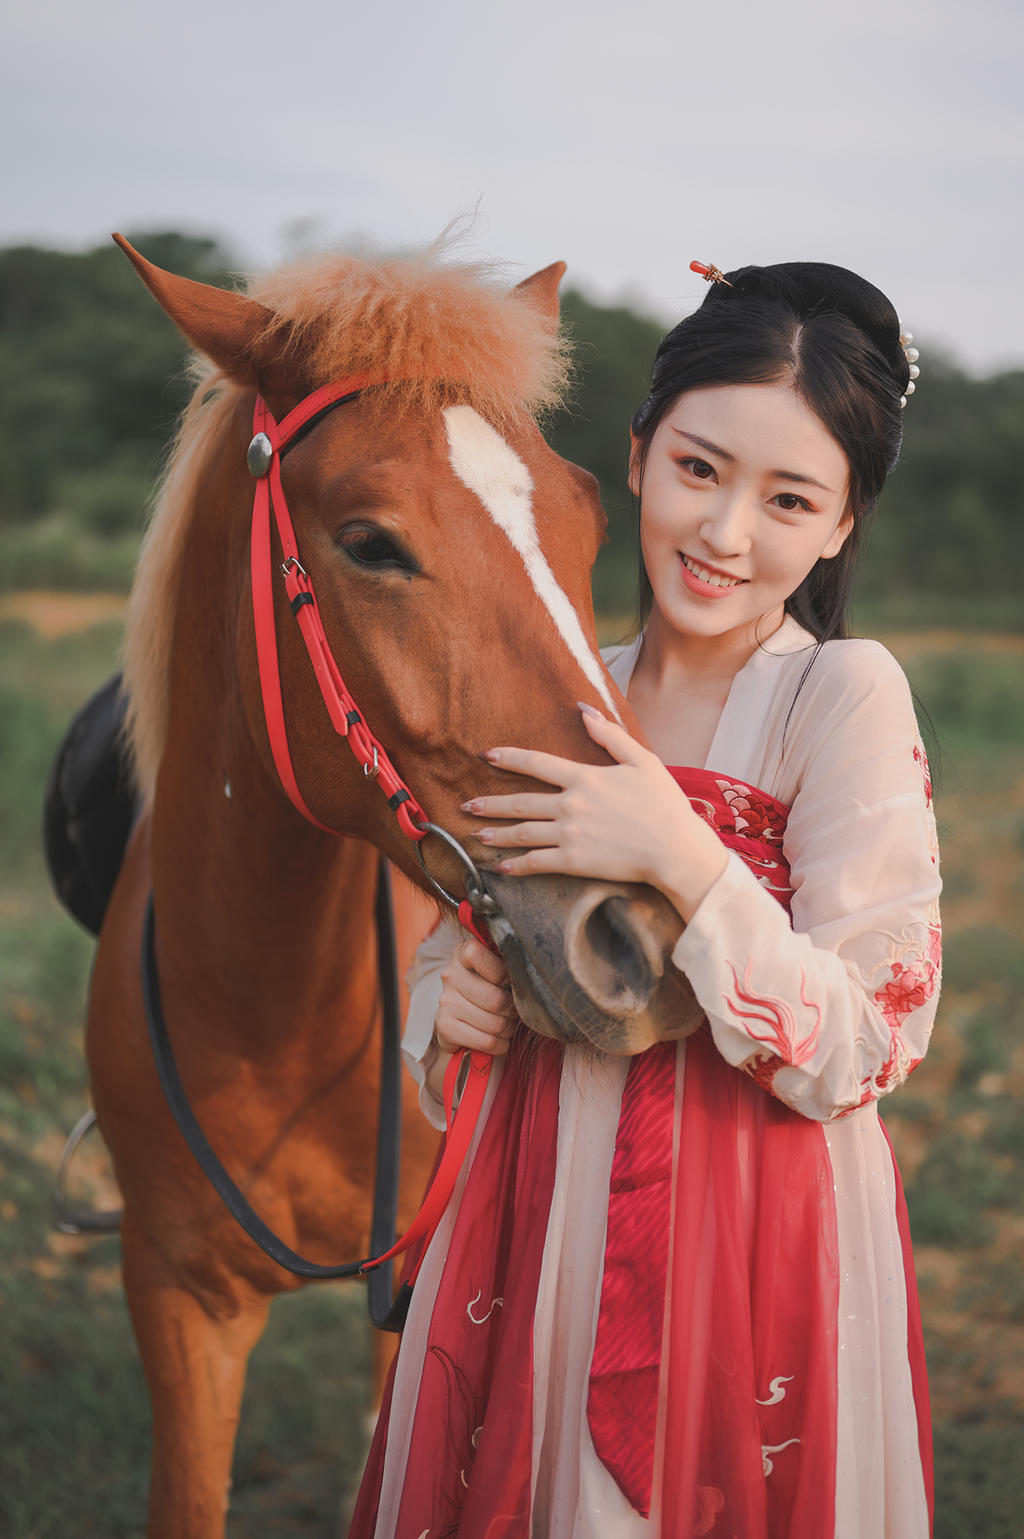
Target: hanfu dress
x=673, y=1295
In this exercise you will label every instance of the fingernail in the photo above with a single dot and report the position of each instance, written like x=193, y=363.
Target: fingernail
x=471, y=806
x=503, y=865
x=492, y=755
x=588, y=710
x=486, y=835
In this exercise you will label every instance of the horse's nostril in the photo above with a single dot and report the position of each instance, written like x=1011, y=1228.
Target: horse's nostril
x=609, y=934
x=609, y=957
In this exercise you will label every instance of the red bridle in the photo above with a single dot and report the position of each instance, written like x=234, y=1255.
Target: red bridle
x=270, y=440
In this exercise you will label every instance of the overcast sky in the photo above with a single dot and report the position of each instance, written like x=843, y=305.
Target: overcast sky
x=886, y=135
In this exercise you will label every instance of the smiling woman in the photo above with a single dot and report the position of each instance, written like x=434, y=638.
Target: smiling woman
x=673, y=1294
x=723, y=523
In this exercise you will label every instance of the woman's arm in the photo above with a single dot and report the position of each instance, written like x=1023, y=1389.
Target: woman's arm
x=419, y=1048
x=837, y=1009
x=457, y=998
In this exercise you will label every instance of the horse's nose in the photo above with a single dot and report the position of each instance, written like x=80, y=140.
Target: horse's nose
x=592, y=961
x=611, y=953
x=600, y=950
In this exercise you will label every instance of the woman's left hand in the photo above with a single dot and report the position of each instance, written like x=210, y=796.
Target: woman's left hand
x=624, y=822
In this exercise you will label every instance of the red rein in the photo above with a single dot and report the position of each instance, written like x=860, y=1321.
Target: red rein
x=348, y=722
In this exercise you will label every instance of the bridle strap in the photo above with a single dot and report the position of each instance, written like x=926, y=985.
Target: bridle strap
x=266, y=652
x=269, y=499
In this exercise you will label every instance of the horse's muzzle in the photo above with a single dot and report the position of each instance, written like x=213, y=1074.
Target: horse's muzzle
x=590, y=962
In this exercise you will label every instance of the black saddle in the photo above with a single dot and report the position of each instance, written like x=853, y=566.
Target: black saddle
x=90, y=806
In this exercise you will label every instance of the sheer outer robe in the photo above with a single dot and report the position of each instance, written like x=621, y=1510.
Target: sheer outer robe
x=828, y=1015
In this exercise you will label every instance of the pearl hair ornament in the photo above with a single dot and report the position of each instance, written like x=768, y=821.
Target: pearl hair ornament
x=912, y=355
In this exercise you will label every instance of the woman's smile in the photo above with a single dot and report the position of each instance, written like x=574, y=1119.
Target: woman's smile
x=709, y=581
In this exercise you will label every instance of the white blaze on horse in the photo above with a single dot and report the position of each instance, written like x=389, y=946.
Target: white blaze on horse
x=450, y=550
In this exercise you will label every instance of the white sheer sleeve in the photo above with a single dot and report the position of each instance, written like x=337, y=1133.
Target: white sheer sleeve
x=837, y=1010
x=424, y=984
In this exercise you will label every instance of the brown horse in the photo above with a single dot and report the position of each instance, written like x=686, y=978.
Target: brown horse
x=451, y=551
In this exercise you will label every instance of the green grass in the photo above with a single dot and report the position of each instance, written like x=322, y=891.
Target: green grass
x=979, y=1481
x=956, y=1187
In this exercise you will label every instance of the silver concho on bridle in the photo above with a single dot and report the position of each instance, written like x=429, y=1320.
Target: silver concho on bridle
x=259, y=455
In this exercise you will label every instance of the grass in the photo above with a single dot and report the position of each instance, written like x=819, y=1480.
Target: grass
x=74, y=1418
x=980, y=1492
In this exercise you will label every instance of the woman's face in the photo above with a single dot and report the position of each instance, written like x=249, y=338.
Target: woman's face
x=743, y=490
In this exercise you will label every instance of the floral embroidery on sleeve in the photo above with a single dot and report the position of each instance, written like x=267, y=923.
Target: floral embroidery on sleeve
x=914, y=971
x=911, y=975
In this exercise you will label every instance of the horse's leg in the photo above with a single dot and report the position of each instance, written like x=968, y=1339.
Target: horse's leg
x=195, y=1364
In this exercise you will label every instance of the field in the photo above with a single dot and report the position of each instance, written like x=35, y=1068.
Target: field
x=74, y=1417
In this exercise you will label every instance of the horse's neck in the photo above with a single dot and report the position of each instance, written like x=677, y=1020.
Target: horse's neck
x=256, y=907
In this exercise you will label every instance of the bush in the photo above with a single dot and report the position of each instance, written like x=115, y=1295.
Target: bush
x=59, y=551
x=954, y=1185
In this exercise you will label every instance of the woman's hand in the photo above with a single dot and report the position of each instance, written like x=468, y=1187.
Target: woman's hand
x=625, y=822
x=475, y=1010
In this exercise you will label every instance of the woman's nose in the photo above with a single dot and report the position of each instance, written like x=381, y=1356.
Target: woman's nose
x=726, y=531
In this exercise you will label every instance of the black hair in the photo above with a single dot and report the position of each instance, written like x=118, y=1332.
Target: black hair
x=837, y=338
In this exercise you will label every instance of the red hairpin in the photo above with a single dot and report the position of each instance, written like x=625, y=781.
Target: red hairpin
x=709, y=271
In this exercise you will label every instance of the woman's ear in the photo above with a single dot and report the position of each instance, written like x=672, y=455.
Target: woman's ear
x=838, y=537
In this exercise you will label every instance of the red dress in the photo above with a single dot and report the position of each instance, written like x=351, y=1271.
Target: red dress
x=716, y=1395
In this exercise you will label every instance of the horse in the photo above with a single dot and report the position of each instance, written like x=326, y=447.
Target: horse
x=451, y=550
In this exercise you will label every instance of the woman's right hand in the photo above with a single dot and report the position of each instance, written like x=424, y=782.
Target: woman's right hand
x=476, y=1009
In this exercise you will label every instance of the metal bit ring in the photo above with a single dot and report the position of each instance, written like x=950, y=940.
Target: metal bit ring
x=479, y=901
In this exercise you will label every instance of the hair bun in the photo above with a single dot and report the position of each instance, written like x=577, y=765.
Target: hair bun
x=816, y=288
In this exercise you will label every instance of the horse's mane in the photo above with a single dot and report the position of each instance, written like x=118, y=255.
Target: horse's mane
x=432, y=326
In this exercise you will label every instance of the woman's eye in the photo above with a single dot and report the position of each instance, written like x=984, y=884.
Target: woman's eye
x=789, y=502
x=370, y=547
x=699, y=468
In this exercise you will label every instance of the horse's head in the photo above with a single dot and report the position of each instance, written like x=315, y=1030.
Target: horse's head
x=450, y=550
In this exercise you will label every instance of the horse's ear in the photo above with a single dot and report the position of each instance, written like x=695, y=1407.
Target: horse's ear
x=542, y=289
x=226, y=326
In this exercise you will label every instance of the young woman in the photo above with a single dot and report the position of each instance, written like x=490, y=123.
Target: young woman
x=705, y=1322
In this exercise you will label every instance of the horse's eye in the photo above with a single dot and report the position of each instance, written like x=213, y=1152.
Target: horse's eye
x=371, y=547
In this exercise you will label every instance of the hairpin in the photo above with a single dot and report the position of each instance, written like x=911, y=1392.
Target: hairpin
x=710, y=272
x=912, y=355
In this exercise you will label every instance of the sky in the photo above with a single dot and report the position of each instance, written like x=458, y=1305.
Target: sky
x=624, y=139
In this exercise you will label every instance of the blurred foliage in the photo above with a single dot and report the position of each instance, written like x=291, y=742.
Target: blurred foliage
x=93, y=376
x=614, y=350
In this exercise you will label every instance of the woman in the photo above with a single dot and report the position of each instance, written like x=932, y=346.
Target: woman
x=706, y=1321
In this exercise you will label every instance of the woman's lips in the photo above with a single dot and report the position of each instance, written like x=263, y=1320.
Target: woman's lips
x=714, y=585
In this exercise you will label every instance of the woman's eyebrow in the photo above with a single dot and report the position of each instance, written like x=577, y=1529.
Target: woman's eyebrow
x=704, y=443
x=780, y=475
